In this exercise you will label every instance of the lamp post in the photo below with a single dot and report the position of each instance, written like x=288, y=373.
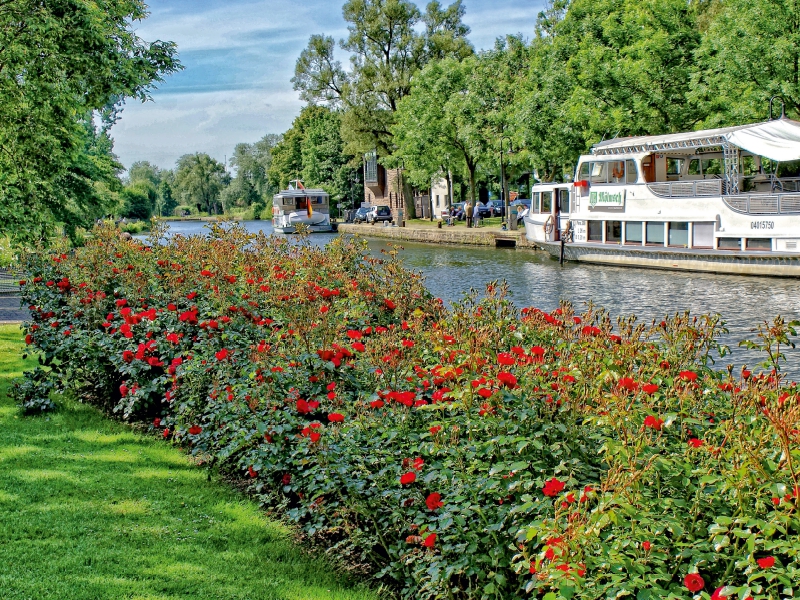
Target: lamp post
x=503, y=190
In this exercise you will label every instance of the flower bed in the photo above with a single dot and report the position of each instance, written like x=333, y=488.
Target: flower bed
x=464, y=453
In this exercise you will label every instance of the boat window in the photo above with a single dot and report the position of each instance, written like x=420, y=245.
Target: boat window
x=547, y=202
x=595, y=231
x=758, y=244
x=585, y=172
x=536, y=203
x=711, y=166
x=614, y=232
x=599, y=172
x=729, y=244
x=616, y=170
x=679, y=234
x=674, y=166
x=633, y=232
x=631, y=175
x=563, y=201
x=655, y=233
x=694, y=167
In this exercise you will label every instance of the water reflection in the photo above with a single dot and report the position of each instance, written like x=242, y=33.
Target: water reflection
x=537, y=280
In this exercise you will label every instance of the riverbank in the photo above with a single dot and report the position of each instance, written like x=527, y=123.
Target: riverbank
x=95, y=510
x=461, y=236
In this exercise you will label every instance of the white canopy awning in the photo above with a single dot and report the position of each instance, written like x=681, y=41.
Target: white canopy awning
x=778, y=140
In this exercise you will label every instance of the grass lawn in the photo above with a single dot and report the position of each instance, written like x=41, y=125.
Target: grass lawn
x=90, y=509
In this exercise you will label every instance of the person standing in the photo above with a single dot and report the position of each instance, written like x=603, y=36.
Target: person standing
x=476, y=214
x=468, y=214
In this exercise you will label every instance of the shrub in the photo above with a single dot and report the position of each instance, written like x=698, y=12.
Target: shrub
x=32, y=393
x=470, y=453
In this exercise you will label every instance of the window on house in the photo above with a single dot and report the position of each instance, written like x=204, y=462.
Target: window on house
x=371, y=167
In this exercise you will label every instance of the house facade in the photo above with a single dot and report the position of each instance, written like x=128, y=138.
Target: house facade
x=382, y=187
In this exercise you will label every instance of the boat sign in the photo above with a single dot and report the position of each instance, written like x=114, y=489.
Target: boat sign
x=607, y=199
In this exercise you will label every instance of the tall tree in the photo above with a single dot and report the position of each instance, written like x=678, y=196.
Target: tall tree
x=388, y=41
x=199, y=179
x=61, y=61
x=750, y=53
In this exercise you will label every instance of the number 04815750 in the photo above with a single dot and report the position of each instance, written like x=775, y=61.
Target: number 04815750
x=762, y=224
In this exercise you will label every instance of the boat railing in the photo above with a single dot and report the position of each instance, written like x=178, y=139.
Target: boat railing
x=687, y=189
x=764, y=204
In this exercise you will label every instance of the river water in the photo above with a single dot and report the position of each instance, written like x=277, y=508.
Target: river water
x=537, y=280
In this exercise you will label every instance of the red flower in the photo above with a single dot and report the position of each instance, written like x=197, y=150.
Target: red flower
x=552, y=487
x=389, y=304
x=127, y=356
x=693, y=582
x=435, y=429
x=287, y=479
x=434, y=501
x=314, y=437
x=358, y=347
x=376, y=404
x=302, y=407
x=688, y=376
x=123, y=390
x=195, y=429
x=626, y=383
x=336, y=418
x=408, y=478
x=717, y=595
x=484, y=392
x=508, y=379
x=408, y=343
x=653, y=422
x=504, y=358
x=418, y=464
x=646, y=546
x=430, y=540
x=157, y=422
x=650, y=388
x=354, y=335
x=121, y=302
x=767, y=562
x=324, y=308
x=191, y=295
x=695, y=443
x=166, y=433
x=253, y=473
x=222, y=354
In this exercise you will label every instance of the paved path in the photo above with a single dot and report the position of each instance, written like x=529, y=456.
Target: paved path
x=10, y=311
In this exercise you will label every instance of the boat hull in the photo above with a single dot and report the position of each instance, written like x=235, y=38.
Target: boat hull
x=765, y=264
x=316, y=223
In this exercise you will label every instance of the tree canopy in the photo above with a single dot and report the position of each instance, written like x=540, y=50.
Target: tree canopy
x=63, y=62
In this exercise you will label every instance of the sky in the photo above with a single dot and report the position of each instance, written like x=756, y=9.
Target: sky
x=239, y=58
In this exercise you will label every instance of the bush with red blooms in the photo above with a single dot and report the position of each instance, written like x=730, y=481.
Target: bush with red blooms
x=464, y=453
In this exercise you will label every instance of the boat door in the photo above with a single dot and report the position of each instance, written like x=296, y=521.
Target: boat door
x=561, y=210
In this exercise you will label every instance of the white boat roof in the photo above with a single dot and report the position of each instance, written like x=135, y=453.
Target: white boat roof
x=303, y=193
x=778, y=140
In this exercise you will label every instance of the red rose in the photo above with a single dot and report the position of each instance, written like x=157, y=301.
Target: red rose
x=646, y=546
x=157, y=422
x=253, y=473
x=128, y=356
x=354, y=335
x=717, y=595
x=688, y=375
x=650, y=388
x=408, y=478
x=435, y=429
x=389, y=304
x=626, y=383
x=336, y=418
x=121, y=302
x=434, y=501
x=418, y=464
x=767, y=562
x=552, y=487
x=302, y=407
x=695, y=443
x=507, y=379
x=166, y=433
x=359, y=347
x=123, y=390
x=222, y=354
x=693, y=582
x=653, y=422
x=430, y=541
x=504, y=358
x=195, y=430
x=376, y=403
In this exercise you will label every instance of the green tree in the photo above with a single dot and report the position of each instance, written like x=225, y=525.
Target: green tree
x=144, y=171
x=166, y=201
x=60, y=62
x=199, y=179
x=139, y=200
x=750, y=52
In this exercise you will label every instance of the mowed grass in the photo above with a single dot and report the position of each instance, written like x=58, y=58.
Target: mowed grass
x=90, y=509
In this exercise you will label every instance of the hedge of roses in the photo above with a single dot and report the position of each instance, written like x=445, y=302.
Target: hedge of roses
x=472, y=452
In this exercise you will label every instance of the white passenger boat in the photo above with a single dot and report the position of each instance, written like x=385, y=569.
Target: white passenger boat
x=701, y=201
x=297, y=205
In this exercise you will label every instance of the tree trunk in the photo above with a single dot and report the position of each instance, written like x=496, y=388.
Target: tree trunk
x=408, y=196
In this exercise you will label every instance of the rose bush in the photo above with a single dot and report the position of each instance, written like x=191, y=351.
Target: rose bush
x=474, y=452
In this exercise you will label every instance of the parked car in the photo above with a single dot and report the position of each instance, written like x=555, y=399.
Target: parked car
x=379, y=213
x=485, y=210
x=361, y=215
x=495, y=208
